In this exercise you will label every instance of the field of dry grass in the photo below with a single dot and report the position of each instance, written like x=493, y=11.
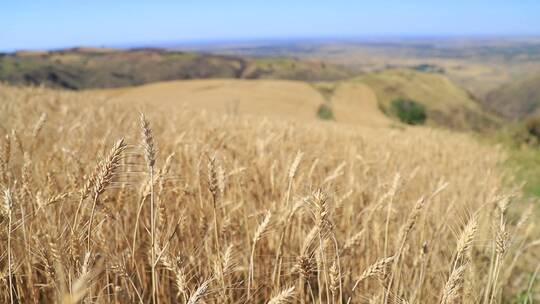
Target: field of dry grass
x=278, y=98
x=352, y=102
x=100, y=205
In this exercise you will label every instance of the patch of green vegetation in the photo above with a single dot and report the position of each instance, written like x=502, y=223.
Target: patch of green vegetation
x=325, y=112
x=532, y=130
x=409, y=111
x=429, y=68
x=522, y=146
x=12, y=65
x=526, y=161
x=526, y=296
x=520, y=134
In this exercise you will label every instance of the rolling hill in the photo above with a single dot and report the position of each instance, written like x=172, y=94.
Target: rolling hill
x=84, y=68
x=364, y=100
x=446, y=103
x=352, y=103
x=516, y=100
x=479, y=64
x=155, y=74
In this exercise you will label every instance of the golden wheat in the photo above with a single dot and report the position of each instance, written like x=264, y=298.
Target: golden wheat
x=244, y=209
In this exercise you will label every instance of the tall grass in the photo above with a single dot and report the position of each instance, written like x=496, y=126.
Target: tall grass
x=248, y=210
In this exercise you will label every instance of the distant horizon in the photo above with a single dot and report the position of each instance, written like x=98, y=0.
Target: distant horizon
x=220, y=42
x=57, y=24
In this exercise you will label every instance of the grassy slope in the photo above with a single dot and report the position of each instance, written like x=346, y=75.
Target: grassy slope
x=526, y=162
x=291, y=68
x=516, y=99
x=357, y=101
x=352, y=103
x=479, y=65
x=519, y=101
x=523, y=155
x=75, y=69
x=291, y=99
x=447, y=104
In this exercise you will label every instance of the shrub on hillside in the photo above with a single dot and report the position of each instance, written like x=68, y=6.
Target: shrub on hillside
x=409, y=111
x=325, y=112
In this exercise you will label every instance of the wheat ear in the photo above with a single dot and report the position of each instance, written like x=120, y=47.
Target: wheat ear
x=284, y=297
x=150, y=157
x=105, y=173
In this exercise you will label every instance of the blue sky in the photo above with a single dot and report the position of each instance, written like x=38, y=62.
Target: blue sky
x=41, y=24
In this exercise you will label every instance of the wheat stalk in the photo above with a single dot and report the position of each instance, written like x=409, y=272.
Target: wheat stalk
x=199, y=293
x=376, y=269
x=466, y=239
x=105, y=173
x=259, y=232
x=453, y=285
x=7, y=210
x=150, y=157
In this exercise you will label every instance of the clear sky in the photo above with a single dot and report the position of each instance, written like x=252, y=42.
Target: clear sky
x=39, y=24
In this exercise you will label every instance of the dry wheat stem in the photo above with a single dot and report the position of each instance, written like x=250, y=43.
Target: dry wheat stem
x=259, y=232
x=8, y=210
x=103, y=178
x=150, y=157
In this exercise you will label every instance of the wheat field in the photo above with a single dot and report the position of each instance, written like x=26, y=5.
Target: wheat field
x=352, y=102
x=101, y=204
